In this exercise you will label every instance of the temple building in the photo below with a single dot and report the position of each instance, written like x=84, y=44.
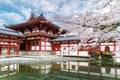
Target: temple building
x=10, y=41
x=36, y=32
x=39, y=34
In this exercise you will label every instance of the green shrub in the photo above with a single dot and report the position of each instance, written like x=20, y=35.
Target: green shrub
x=95, y=54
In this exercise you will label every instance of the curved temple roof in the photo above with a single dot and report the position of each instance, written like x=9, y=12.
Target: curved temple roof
x=66, y=38
x=10, y=32
x=36, y=22
x=39, y=20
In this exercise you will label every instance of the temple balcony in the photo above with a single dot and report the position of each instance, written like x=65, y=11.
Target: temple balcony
x=42, y=34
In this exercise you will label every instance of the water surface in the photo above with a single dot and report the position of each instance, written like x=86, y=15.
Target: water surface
x=68, y=70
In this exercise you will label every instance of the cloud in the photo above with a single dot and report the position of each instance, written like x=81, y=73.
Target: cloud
x=10, y=17
x=2, y=22
x=26, y=12
x=66, y=9
x=21, y=9
x=11, y=3
x=54, y=6
x=48, y=6
x=6, y=2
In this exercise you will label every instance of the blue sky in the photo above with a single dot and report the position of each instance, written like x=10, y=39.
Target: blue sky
x=18, y=11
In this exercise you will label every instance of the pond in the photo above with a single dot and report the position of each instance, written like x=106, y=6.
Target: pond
x=68, y=70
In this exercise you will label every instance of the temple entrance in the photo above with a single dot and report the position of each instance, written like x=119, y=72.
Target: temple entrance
x=22, y=46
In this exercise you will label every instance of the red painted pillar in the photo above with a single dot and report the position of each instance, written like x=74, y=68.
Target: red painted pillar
x=77, y=49
x=68, y=49
x=114, y=48
x=60, y=49
x=45, y=44
x=26, y=44
x=100, y=49
x=17, y=48
x=8, y=48
x=35, y=44
x=40, y=44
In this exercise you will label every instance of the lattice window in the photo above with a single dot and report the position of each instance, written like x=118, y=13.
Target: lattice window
x=43, y=30
x=50, y=32
x=33, y=30
x=36, y=29
x=27, y=31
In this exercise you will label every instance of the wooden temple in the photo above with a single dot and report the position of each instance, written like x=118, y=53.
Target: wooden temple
x=10, y=41
x=36, y=33
x=39, y=34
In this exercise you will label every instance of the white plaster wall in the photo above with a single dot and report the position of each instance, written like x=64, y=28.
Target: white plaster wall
x=107, y=43
x=48, y=44
x=37, y=47
x=117, y=51
x=74, y=45
x=64, y=52
x=3, y=43
x=64, y=44
x=83, y=53
x=42, y=48
x=57, y=52
x=73, y=53
x=32, y=47
x=111, y=48
x=42, y=43
x=48, y=48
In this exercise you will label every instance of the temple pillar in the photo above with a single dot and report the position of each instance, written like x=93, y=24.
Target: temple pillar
x=114, y=48
x=17, y=49
x=68, y=49
x=35, y=44
x=78, y=49
x=8, y=48
x=45, y=43
x=40, y=44
x=100, y=50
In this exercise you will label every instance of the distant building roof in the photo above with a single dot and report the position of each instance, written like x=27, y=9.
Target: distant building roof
x=66, y=38
x=10, y=32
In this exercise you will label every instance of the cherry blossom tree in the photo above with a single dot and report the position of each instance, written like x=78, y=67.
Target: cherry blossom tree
x=97, y=25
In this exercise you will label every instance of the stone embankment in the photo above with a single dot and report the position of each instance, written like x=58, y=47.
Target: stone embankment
x=20, y=60
x=32, y=57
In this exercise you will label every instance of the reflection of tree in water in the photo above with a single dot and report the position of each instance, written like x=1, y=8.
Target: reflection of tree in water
x=107, y=62
x=95, y=62
x=108, y=69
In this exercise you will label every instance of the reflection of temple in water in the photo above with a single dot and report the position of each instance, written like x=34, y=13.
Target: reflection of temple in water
x=8, y=70
x=59, y=70
x=85, y=69
x=44, y=69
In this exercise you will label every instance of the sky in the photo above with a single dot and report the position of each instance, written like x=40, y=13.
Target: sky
x=18, y=11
